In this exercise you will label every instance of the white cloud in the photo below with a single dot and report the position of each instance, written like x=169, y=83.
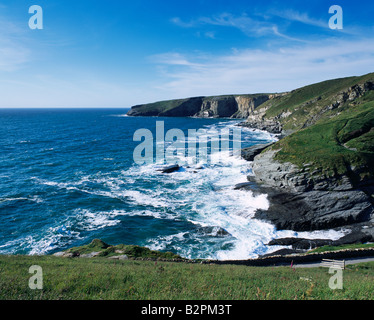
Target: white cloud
x=267, y=70
x=13, y=50
x=301, y=17
x=244, y=23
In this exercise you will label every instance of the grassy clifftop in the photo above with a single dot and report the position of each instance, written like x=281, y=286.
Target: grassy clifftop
x=331, y=121
x=306, y=105
x=105, y=279
x=332, y=124
x=339, y=145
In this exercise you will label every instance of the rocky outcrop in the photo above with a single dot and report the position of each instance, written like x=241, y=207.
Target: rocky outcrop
x=247, y=105
x=316, y=210
x=250, y=153
x=188, y=107
x=169, y=169
x=348, y=95
x=230, y=106
x=300, y=243
x=218, y=107
x=257, y=120
x=302, y=202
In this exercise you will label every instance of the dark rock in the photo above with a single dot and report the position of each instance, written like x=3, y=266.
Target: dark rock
x=316, y=210
x=185, y=109
x=250, y=153
x=218, y=107
x=169, y=169
x=300, y=243
x=281, y=252
x=360, y=233
x=212, y=231
x=244, y=185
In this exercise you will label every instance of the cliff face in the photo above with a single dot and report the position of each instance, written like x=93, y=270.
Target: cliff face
x=321, y=174
x=232, y=106
x=306, y=201
x=217, y=107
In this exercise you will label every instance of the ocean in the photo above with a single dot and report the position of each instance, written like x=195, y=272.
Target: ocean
x=68, y=176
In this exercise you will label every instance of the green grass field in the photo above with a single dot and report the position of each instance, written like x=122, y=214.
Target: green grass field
x=101, y=278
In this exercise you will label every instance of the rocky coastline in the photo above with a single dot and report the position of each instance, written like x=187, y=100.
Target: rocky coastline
x=298, y=204
x=320, y=174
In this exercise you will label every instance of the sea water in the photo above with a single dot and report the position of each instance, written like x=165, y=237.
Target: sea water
x=68, y=176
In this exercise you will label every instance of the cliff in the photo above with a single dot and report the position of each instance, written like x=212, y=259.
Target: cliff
x=320, y=175
x=229, y=106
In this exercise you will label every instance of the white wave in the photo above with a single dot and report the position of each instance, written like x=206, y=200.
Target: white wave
x=89, y=221
x=36, y=199
x=201, y=194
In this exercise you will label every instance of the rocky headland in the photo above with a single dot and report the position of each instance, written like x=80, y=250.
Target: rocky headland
x=320, y=174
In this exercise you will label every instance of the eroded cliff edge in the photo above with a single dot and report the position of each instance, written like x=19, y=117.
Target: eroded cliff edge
x=227, y=106
x=320, y=175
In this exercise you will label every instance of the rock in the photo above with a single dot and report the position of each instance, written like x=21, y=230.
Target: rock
x=97, y=243
x=304, y=201
x=250, y=153
x=360, y=233
x=281, y=252
x=247, y=104
x=59, y=254
x=212, y=231
x=218, y=107
x=169, y=169
x=63, y=254
x=90, y=255
x=244, y=185
x=121, y=257
x=273, y=173
x=315, y=210
x=228, y=106
x=300, y=243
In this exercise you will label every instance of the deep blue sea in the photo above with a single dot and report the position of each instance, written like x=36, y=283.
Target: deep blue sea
x=67, y=176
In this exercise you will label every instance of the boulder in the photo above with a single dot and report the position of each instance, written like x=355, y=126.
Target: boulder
x=169, y=169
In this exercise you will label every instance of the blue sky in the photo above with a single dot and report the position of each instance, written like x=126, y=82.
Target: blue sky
x=120, y=53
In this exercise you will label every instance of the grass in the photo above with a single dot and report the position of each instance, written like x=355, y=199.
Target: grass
x=156, y=108
x=100, y=278
x=162, y=108
x=132, y=251
x=334, y=146
x=342, y=247
x=308, y=101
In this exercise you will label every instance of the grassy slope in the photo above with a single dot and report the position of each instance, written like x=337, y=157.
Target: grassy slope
x=305, y=102
x=330, y=146
x=327, y=144
x=342, y=247
x=100, y=278
x=132, y=251
x=160, y=106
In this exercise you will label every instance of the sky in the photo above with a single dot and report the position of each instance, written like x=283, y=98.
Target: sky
x=117, y=54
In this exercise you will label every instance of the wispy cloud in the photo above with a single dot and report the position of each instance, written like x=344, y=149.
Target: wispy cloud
x=250, y=26
x=295, y=16
x=244, y=23
x=14, y=51
x=265, y=70
x=173, y=58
